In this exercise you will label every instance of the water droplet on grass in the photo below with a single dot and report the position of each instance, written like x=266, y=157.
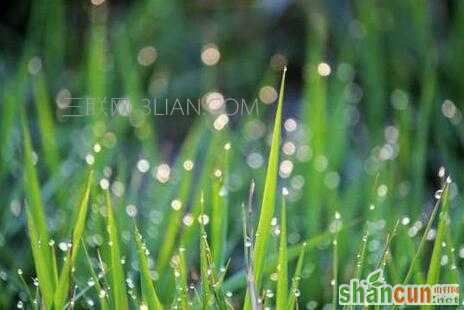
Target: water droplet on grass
x=203, y=219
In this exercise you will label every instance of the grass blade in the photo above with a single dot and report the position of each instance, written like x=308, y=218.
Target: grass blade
x=36, y=220
x=237, y=280
x=423, y=240
x=148, y=289
x=180, y=271
x=268, y=202
x=433, y=274
x=282, y=282
x=174, y=217
x=334, y=281
x=98, y=287
x=204, y=262
x=32, y=187
x=219, y=215
x=294, y=291
x=40, y=262
x=117, y=272
x=64, y=280
x=205, y=269
x=47, y=127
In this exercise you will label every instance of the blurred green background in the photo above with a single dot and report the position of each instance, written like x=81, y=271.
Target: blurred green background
x=372, y=110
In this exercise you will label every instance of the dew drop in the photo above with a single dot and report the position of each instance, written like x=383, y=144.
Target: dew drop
x=203, y=219
x=102, y=294
x=176, y=204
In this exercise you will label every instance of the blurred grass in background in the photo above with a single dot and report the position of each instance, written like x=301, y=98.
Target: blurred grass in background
x=372, y=109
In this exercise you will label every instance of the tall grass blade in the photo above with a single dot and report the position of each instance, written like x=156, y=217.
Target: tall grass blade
x=46, y=124
x=334, y=281
x=423, y=239
x=433, y=274
x=174, y=217
x=117, y=272
x=103, y=299
x=149, y=295
x=180, y=271
x=40, y=262
x=36, y=220
x=294, y=291
x=270, y=187
x=219, y=215
x=205, y=268
x=32, y=188
x=282, y=282
x=64, y=279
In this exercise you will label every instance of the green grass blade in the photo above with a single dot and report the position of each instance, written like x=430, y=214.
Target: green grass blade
x=361, y=256
x=334, y=281
x=268, y=202
x=360, y=259
x=117, y=272
x=13, y=94
x=433, y=274
x=174, y=217
x=45, y=120
x=386, y=250
x=189, y=234
x=54, y=264
x=180, y=271
x=148, y=289
x=238, y=280
x=32, y=187
x=79, y=225
x=282, y=282
x=219, y=215
x=36, y=220
x=40, y=262
x=422, y=241
x=205, y=269
x=294, y=291
x=103, y=301
x=64, y=280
